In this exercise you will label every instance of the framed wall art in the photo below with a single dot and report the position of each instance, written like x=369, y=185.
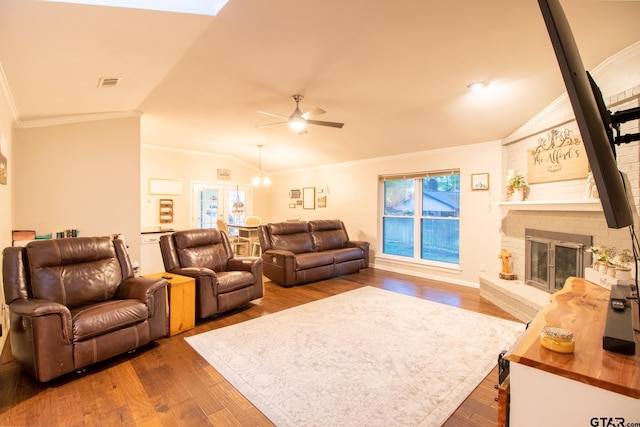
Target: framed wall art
x=479, y=181
x=224, y=174
x=309, y=198
x=294, y=194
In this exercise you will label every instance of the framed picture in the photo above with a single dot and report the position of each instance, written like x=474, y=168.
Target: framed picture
x=322, y=201
x=309, y=198
x=479, y=181
x=294, y=194
x=224, y=174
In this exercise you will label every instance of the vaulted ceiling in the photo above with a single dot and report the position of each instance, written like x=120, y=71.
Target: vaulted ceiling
x=396, y=73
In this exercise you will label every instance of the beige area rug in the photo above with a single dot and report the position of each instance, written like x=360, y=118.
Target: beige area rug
x=362, y=358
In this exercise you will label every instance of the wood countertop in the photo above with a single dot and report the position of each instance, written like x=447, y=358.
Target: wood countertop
x=580, y=307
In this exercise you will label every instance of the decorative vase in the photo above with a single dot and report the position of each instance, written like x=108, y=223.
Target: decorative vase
x=611, y=270
x=518, y=194
x=623, y=273
x=602, y=268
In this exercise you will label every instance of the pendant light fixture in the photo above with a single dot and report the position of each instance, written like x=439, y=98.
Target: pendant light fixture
x=260, y=179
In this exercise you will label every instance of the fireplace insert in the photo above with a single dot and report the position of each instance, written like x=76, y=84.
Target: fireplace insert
x=552, y=257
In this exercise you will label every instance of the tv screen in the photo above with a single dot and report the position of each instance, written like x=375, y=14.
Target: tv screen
x=592, y=116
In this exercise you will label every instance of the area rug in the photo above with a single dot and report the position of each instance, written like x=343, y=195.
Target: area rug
x=362, y=358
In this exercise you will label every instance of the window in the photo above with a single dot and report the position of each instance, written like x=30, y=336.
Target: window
x=421, y=216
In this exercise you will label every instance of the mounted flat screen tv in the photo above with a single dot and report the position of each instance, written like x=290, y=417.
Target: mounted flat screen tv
x=592, y=116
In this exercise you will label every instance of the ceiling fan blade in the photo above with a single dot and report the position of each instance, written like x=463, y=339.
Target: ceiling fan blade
x=313, y=113
x=322, y=123
x=273, y=114
x=271, y=124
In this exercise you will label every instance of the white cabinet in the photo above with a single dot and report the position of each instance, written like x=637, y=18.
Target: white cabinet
x=589, y=387
x=150, y=255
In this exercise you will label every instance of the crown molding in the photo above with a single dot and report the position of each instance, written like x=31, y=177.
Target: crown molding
x=65, y=120
x=5, y=93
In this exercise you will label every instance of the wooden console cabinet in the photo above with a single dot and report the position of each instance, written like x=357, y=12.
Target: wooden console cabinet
x=588, y=387
x=181, y=304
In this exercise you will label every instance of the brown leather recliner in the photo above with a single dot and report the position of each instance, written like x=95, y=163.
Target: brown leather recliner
x=223, y=281
x=74, y=302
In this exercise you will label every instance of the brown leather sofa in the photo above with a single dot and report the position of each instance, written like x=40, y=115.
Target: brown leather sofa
x=223, y=281
x=74, y=302
x=302, y=252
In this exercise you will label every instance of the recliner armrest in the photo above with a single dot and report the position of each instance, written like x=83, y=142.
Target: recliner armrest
x=243, y=263
x=280, y=257
x=194, y=272
x=32, y=307
x=142, y=289
x=362, y=245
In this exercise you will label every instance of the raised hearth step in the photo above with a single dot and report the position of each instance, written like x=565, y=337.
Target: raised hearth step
x=515, y=297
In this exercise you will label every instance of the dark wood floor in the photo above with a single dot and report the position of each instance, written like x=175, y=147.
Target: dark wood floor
x=168, y=384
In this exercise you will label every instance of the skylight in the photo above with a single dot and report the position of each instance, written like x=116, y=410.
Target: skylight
x=199, y=7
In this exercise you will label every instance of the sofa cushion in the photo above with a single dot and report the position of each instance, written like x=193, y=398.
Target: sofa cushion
x=327, y=240
x=73, y=272
x=98, y=319
x=229, y=281
x=313, y=259
x=201, y=248
x=346, y=254
x=325, y=225
x=290, y=236
x=328, y=234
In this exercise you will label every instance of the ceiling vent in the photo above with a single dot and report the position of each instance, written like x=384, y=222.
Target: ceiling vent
x=108, y=81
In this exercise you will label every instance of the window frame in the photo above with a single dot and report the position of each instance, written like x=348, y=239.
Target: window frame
x=417, y=217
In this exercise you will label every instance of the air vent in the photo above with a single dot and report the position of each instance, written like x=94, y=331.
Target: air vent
x=108, y=81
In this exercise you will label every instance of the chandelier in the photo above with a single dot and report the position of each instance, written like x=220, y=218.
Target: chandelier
x=260, y=179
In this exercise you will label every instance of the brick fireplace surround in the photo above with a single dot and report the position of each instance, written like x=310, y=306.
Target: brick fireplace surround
x=516, y=297
x=556, y=206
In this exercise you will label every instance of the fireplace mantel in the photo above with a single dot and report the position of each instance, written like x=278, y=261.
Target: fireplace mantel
x=589, y=205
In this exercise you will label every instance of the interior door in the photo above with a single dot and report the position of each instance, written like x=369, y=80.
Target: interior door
x=211, y=201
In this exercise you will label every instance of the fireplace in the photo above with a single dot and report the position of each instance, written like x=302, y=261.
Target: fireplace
x=552, y=257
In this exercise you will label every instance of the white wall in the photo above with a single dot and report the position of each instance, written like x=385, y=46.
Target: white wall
x=586, y=223
x=83, y=175
x=352, y=191
x=188, y=167
x=6, y=193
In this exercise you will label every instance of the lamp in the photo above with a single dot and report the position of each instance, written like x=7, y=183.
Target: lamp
x=260, y=179
x=477, y=86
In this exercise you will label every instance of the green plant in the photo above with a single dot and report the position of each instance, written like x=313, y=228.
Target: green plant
x=623, y=259
x=516, y=179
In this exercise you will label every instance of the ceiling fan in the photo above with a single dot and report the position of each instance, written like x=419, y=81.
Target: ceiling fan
x=299, y=120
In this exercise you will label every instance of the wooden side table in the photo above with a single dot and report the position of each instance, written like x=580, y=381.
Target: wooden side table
x=181, y=304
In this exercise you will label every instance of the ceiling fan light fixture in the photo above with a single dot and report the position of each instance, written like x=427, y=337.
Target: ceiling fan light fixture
x=297, y=123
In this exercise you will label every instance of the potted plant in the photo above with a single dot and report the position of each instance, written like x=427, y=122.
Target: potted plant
x=597, y=256
x=623, y=264
x=516, y=184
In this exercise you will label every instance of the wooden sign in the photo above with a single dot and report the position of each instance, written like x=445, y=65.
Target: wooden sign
x=558, y=157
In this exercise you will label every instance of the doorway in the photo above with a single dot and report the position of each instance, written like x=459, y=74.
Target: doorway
x=210, y=202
